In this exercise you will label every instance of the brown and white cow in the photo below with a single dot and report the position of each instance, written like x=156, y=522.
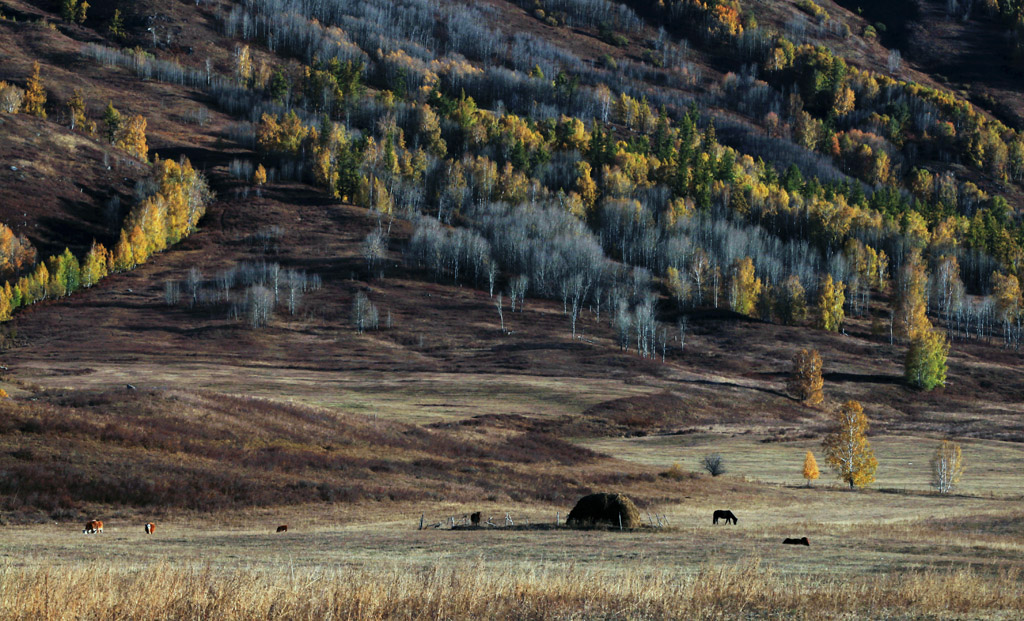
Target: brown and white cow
x=150, y=527
x=93, y=526
x=282, y=528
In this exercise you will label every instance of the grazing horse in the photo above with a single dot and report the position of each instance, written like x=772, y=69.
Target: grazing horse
x=796, y=542
x=150, y=527
x=93, y=526
x=282, y=528
x=474, y=518
x=724, y=515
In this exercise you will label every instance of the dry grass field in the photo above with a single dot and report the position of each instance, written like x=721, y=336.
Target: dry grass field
x=748, y=590
x=872, y=555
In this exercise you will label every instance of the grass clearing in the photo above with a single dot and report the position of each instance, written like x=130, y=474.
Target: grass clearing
x=992, y=467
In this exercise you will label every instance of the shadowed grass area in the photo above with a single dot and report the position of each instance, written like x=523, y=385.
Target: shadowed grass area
x=198, y=451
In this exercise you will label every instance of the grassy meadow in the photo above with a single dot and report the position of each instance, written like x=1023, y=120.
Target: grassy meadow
x=992, y=467
x=882, y=553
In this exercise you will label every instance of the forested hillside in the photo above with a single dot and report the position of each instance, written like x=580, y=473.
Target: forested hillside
x=579, y=187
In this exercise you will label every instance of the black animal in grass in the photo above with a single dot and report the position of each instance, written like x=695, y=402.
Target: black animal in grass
x=796, y=542
x=723, y=515
x=475, y=519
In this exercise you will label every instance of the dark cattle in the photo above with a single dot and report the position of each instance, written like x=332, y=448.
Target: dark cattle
x=283, y=528
x=797, y=542
x=723, y=515
x=474, y=518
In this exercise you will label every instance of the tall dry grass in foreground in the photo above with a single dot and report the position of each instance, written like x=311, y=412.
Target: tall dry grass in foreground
x=468, y=591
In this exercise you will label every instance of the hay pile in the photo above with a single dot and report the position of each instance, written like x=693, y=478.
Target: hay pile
x=604, y=509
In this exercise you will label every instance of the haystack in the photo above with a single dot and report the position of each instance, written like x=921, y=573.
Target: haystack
x=604, y=509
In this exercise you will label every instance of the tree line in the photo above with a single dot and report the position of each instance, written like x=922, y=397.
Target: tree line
x=168, y=214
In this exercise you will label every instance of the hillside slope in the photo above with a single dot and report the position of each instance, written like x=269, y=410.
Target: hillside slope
x=572, y=180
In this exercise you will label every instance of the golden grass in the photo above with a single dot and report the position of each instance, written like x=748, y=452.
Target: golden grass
x=993, y=467
x=464, y=591
x=846, y=543
x=419, y=398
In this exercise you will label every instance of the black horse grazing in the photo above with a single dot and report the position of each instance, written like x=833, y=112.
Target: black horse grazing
x=475, y=519
x=797, y=542
x=724, y=515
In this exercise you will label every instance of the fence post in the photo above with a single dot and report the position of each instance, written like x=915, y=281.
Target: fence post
x=422, y=515
x=620, y=520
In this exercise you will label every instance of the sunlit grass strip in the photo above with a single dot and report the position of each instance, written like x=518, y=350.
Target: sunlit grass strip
x=474, y=591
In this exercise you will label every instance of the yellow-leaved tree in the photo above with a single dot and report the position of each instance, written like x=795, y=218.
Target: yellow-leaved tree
x=133, y=138
x=805, y=383
x=430, y=129
x=586, y=186
x=810, y=468
x=124, y=258
x=94, y=268
x=909, y=311
x=6, y=305
x=847, y=450
x=947, y=466
x=1006, y=290
x=831, y=298
x=260, y=176
x=34, y=102
x=746, y=288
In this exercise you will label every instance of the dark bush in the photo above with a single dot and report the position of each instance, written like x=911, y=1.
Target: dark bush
x=713, y=464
